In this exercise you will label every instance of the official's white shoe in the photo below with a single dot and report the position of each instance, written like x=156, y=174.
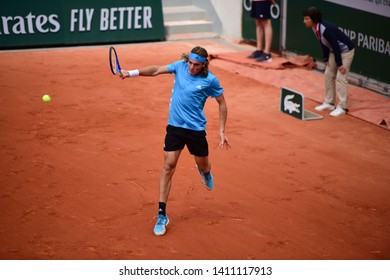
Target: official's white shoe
x=338, y=112
x=325, y=106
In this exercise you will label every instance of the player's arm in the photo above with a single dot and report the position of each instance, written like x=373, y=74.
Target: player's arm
x=145, y=71
x=222, y=121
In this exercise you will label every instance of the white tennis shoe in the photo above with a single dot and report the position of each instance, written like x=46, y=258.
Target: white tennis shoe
x=338, y=112
x=325, y=106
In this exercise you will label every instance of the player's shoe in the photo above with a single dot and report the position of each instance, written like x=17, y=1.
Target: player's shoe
x=160, y=227
x=207, y=179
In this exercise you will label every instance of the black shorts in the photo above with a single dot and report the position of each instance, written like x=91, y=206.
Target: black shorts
x=177, y=137
x=261, y=9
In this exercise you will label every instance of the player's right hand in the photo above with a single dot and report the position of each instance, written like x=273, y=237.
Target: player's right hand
x=124, y=74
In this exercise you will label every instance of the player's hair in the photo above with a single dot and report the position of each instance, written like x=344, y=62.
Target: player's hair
x=314, y=13
x=203, y=53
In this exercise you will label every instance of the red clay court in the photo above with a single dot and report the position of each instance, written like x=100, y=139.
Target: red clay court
x=79, y=175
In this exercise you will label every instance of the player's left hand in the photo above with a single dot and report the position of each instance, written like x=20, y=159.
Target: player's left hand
x=224, y=143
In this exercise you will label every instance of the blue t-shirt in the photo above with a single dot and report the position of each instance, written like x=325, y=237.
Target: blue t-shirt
x=189, y=95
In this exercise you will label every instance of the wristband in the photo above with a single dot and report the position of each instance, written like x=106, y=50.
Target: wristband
x=133, y=73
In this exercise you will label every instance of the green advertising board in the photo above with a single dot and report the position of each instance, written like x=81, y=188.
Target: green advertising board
x=70, y=22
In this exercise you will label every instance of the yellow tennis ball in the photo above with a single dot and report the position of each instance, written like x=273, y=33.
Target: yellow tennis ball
x=46, y=98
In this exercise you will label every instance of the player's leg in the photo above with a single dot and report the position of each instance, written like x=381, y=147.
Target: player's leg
x=204, y=167
x=203, y=164
x=173, y=146
x=199, y=148
x=169, y=167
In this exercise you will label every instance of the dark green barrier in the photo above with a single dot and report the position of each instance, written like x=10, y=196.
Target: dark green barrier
x=69, y=22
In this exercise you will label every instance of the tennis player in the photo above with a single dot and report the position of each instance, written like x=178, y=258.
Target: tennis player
x=193, y=84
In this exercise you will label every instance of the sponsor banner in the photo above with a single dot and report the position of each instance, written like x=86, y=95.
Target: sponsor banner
x=48, y=23
x=378, y=7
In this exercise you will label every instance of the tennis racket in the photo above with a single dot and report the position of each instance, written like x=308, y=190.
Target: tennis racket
x=114, y=61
